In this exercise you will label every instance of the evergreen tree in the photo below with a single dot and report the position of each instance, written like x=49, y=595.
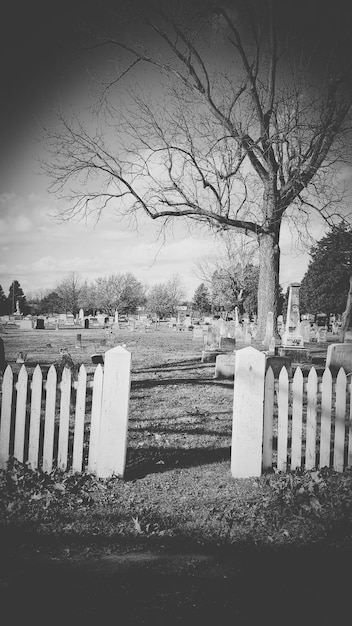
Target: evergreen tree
x=15, y=295
x=51, y=303
x=325, y=284
x=2, y=301
x=201, y=299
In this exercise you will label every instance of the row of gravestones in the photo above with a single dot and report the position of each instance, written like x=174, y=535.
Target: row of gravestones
x=61, y=320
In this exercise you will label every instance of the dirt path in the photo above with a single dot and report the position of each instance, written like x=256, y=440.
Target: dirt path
x=163, y=585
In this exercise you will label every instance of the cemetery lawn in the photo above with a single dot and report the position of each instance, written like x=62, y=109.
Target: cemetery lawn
x=178, y=487
x=178, y=536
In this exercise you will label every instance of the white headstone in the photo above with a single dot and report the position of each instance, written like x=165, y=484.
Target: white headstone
x=339, y=355
x=292, y=337
x=81, y=314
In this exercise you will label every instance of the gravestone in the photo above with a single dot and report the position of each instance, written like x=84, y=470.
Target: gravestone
x=26, y=325
x=247, y=338
x=339, y=355
x=322, y=335
x=198, y=333
x=225, y=366
x=348, y=336
x=81, y=315
x=79, y=341
x=227, y=343
x=292, y=337
x=70, y=320
x=86, y=323
x=40, y=324
x=277, y=363
x=2, y=356
x=305, y=330
x=98, y=359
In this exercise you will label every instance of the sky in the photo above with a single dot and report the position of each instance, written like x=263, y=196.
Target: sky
x=41, y=60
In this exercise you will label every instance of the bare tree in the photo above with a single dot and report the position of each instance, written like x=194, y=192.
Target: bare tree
x=70, y=290
x=246, y=125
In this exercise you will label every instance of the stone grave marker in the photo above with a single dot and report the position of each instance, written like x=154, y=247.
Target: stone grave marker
x=225, y=365
x=305, y=330
x=40, y=325
x=277, y=363
x=227, y=343
x=322, y=334
x=198, y=333
x=26, y=325
x=70, y=320
x=292, y=337
x=339, y=355
x=247, y=337
x=348, y=336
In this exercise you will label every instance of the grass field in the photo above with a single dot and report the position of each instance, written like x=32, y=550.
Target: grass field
x=178, y=481
x=178, y=541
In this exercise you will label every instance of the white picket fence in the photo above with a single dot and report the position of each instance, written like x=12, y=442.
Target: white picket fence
x=303, y=422
x=36, y=414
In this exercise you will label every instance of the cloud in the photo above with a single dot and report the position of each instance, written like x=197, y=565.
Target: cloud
x=22, y=224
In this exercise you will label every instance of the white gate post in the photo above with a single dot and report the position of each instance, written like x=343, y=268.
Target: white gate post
x=248, y=407
x=111, y=457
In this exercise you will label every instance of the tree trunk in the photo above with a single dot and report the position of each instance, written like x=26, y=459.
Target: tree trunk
x=268, y=287
x=346, y=315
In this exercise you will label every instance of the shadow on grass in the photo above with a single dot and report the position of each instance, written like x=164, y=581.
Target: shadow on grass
x=152, y=382
x=143, y=461
x=184, y=365
x=158, y=584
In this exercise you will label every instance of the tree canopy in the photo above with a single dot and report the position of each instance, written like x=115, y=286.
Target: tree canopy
x=202, y=299
x=325, y=285
x=230, y=115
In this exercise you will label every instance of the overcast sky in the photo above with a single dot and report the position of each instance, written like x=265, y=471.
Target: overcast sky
x=38, y=63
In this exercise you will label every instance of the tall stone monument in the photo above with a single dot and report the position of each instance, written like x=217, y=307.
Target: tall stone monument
x=292, y=337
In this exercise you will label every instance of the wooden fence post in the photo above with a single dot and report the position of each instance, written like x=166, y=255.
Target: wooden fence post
x=248, y=406
x=111, y=457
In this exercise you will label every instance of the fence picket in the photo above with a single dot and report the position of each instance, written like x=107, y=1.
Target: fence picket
x=20, y=420
x=282, y=421
x=269, y=391
x=5, y=424
x=49, y=425
x=340, y=411
x=65, y=386
x=325, y=425
x=79, y=420
x=349, y=451
x=95, y=419
x=34, y=424
x=311, y=425
x=297, y=412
